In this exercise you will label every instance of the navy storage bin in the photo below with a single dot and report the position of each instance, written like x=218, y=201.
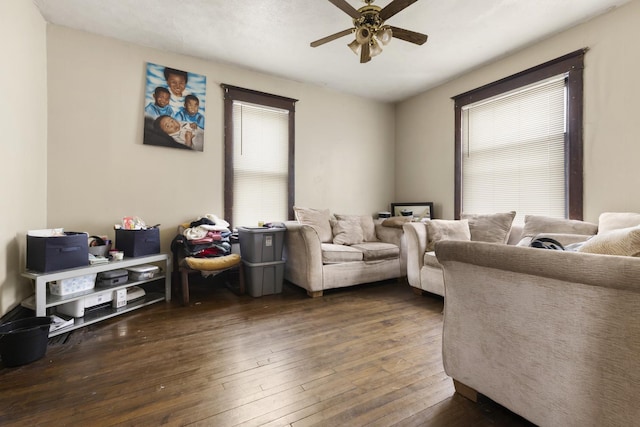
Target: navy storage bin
x=57, y=253
x=24, y=341
x=136, y=243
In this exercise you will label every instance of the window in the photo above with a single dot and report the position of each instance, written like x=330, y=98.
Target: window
x=259, y=156
x=519, y=143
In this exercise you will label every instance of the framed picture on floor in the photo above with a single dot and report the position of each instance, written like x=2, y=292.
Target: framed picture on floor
x=420, y=211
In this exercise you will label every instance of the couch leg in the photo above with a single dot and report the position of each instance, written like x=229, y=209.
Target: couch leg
x=465, y=391
x=314, y=294
x=417, y=291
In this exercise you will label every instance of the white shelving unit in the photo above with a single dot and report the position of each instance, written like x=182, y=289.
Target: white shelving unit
x=45, y=300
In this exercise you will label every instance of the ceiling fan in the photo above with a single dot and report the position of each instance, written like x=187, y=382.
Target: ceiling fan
x=370, y=29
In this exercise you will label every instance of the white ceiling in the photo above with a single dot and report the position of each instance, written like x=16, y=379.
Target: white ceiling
x=273, y=36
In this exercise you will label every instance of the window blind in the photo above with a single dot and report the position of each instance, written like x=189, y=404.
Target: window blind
x=260, y=163
x=514, y=152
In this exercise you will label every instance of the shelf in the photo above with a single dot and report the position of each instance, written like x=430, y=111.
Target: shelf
x=53, y=300
x=97, y=268
x=45, y=302
x=94, y=315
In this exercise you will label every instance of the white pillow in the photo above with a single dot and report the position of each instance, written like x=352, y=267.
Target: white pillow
x=366, y=222
x=347, y=232
x=492, y=228
x=319, y=219
x=624, y=241
x=539, y=224
x=442, y=229
x=609, y=221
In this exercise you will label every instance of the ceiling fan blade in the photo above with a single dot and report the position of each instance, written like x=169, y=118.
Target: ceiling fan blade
x=365, y=54
x=408, y=36
x=346, y=8
x=331, y=37
x=394, y=7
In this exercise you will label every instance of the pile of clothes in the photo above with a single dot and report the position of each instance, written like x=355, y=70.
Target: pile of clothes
x=206, y=237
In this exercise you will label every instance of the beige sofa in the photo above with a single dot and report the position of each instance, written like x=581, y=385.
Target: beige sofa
x=424, y=272
x=552, y=335
x=320, y=253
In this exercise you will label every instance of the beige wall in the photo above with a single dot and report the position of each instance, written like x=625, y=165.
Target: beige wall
x=99, y=170
x=23, y=120
x=425, y=123
x=89, y=167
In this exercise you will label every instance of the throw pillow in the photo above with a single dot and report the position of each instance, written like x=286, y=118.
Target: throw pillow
x=318, y=219
x=609, y=221
x=492, y=228
x=366, y=222
x=538, y=224
x=396, y=221
x=442, y=229
x=347, y=232
x=624, y=241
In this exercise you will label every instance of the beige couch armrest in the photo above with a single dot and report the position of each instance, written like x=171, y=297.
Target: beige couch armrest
x=416, y=236
x=394, y=236
x=389, y=234
x=618, y=272
x=539, y=331
x=302, y=252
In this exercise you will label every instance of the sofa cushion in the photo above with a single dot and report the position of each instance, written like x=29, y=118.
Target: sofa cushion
x=624, y=241
x=319, y=219
x=366, y=222
x=347, y=232
x=442, y=229
x=491, y=228
x=373, y=251
x=334, y=254
x=609, y=221
x=538, y=224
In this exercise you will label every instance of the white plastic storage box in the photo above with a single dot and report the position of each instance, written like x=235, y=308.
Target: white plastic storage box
x=264, y=278
x=72, y=285
x=261, y=244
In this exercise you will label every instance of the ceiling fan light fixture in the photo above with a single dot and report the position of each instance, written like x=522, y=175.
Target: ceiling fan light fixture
x=363, y=35
x=384, y=35
x=370, y=29
x=374, y=48
x=355, y=47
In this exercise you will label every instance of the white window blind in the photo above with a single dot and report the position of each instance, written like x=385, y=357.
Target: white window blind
x=260, y=163
x=513, y=154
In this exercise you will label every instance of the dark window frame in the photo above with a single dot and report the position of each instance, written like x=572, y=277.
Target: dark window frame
x=234, y=93
x=572, y=64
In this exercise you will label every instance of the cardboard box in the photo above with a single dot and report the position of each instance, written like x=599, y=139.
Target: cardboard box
x=135, y=243
x=261, y=244
x=46, y=254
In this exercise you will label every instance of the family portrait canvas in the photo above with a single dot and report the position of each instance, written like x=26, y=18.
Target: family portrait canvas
x=174, y=107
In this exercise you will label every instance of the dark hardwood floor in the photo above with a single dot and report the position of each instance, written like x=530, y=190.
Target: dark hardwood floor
x=362, y=356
